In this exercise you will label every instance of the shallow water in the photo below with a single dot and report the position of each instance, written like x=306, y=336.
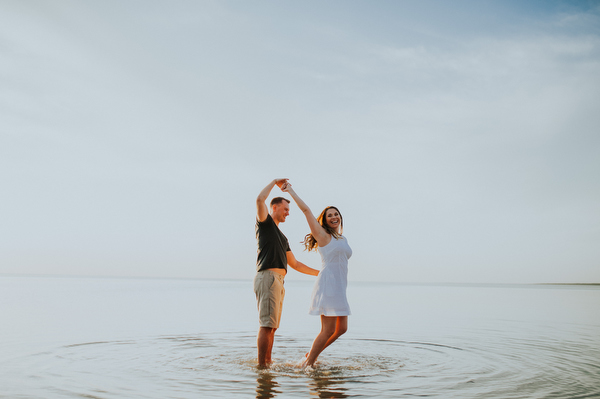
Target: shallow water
x=115, y=338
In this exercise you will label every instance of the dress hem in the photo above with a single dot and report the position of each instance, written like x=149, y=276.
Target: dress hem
x=322, y=313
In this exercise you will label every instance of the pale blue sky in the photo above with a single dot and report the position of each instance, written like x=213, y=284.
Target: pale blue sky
x=460, y=140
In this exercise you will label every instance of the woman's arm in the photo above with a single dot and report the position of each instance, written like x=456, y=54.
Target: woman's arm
x=323, y=238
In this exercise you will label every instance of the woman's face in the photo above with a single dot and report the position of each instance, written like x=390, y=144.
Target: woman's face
x=333, y=218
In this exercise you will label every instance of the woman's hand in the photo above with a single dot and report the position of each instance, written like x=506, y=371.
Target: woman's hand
x=286, y=187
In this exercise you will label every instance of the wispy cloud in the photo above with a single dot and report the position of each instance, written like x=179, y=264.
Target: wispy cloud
x=161, y=121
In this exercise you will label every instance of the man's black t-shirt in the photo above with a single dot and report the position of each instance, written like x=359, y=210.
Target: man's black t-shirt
x=272, y=246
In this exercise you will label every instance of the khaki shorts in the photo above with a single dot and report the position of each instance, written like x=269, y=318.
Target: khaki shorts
x=268, y=287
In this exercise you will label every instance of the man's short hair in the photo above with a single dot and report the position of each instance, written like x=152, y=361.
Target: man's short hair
x=279, y=200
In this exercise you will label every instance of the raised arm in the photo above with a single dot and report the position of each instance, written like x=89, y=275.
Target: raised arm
x=261, y=207
x=323, y=238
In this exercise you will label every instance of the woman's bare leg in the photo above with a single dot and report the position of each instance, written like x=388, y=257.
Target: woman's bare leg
x=341, y=326
x=331, y=329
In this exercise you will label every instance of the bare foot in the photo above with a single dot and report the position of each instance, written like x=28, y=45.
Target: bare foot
x=302, y=363
x=265, y=366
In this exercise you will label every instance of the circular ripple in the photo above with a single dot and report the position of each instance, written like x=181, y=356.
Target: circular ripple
x=224, y=365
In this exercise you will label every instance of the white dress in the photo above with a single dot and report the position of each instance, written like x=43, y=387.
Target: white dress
x=329, y=293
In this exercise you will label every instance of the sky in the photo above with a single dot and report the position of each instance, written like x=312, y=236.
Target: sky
x=460, y=140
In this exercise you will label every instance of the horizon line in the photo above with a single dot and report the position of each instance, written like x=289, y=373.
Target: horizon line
x=249, y=279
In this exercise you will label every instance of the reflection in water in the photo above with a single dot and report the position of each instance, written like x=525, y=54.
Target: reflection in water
x=323, y=384
x=328, y=388
x=265, y=385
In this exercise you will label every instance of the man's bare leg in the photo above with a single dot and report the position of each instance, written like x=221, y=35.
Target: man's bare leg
x=264, y=342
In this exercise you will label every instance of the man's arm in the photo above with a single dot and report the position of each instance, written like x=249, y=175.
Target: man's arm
x=261, y=208
x=299, y=266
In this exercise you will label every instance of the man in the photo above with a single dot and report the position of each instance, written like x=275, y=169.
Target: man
x=274, y=255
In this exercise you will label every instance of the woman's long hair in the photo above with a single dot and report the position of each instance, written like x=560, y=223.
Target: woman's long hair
x=310, y=243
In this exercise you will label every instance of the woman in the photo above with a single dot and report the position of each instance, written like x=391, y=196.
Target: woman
x=329, y=294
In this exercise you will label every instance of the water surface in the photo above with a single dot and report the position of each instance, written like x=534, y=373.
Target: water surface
x=144, y=338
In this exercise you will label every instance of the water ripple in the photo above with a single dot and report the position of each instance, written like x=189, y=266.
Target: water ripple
x=223, y=365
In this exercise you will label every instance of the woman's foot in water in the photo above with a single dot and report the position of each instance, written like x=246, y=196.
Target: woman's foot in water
x=303, y=362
